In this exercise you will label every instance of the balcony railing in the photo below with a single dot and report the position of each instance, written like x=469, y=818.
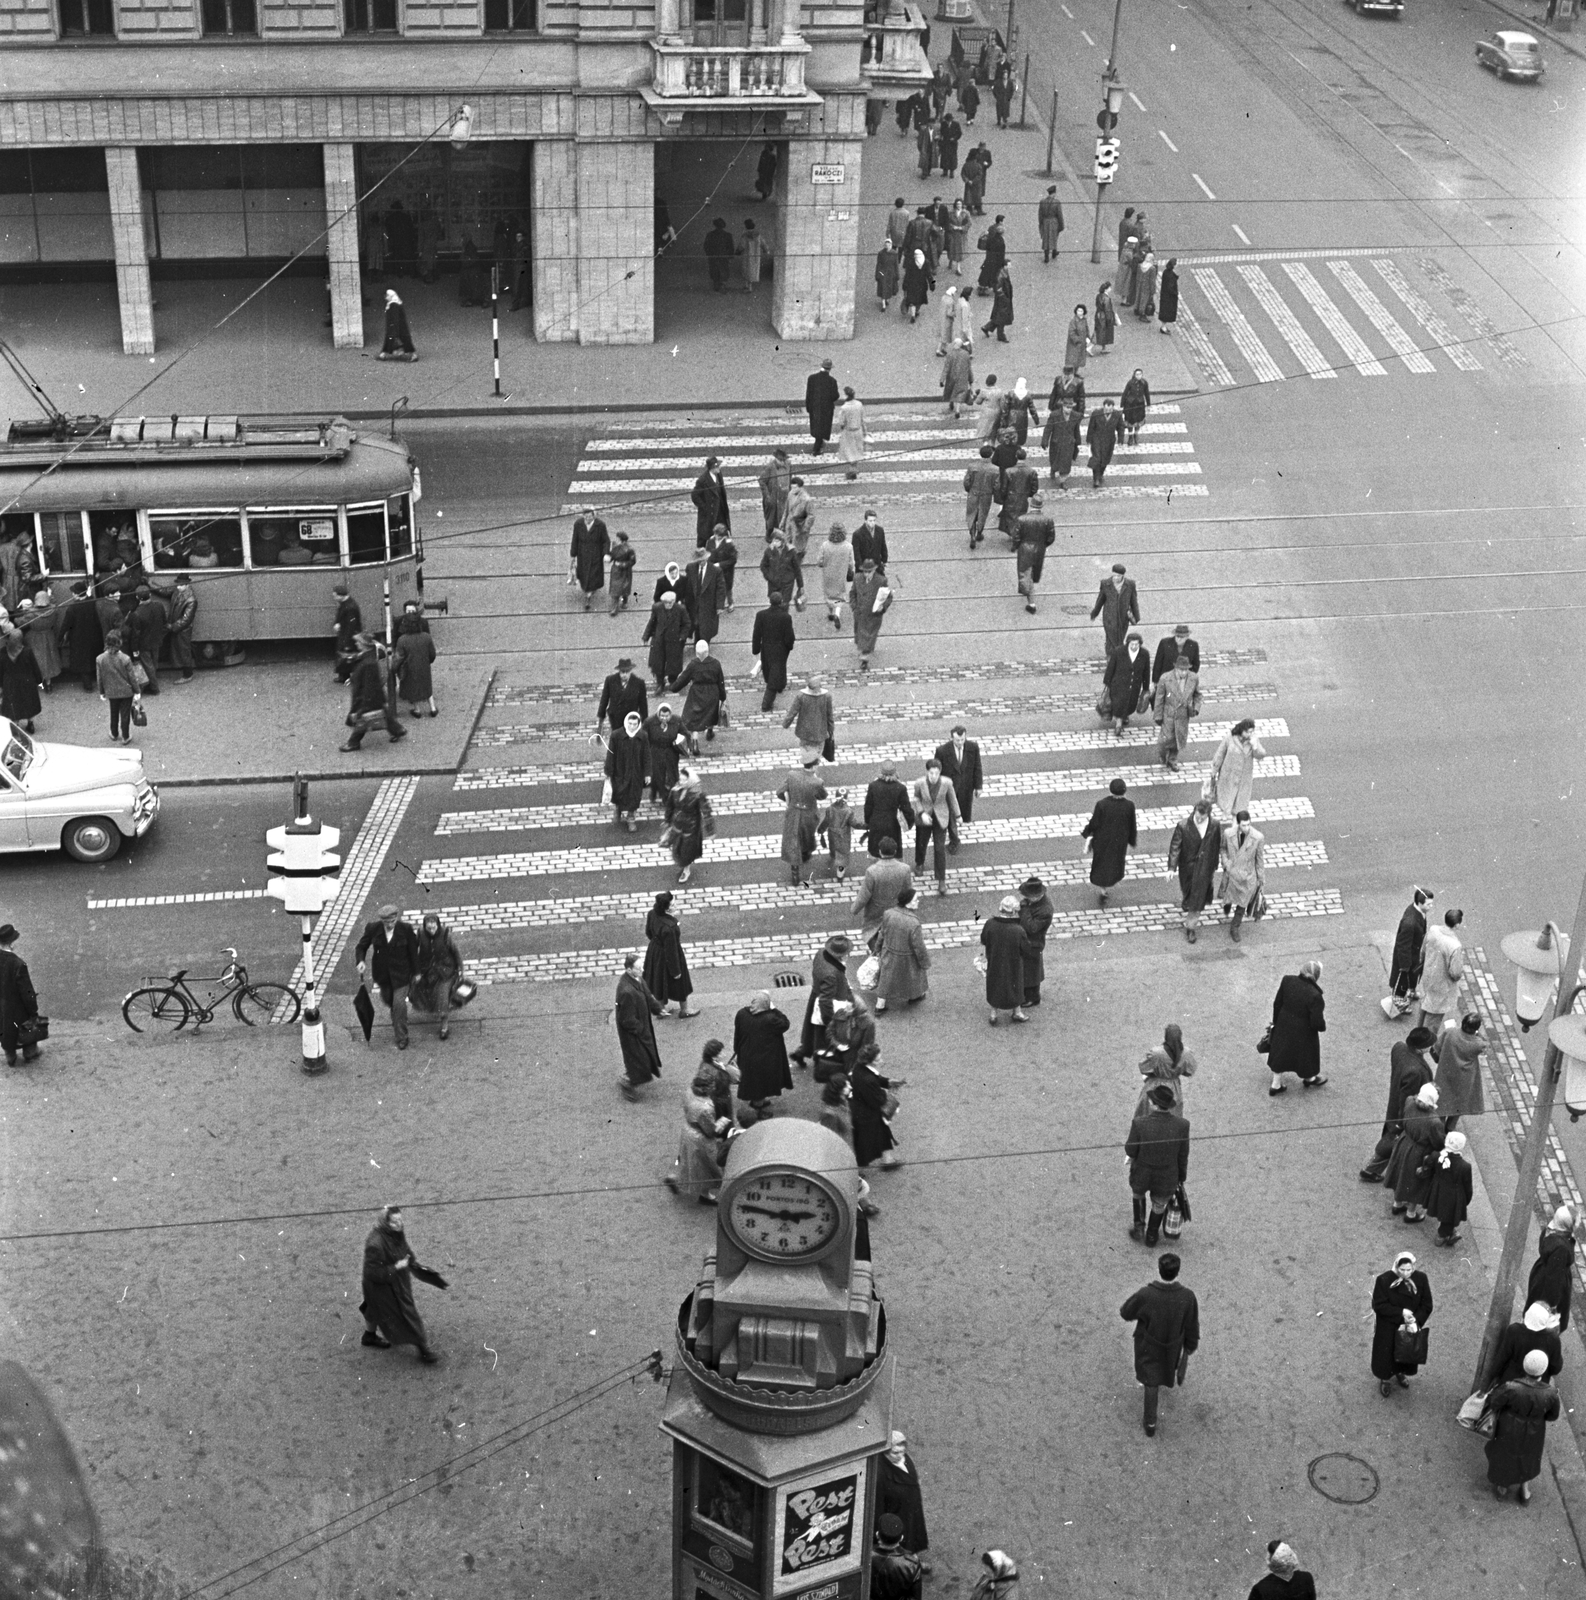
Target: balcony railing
x=894, y=49
x=719, y=77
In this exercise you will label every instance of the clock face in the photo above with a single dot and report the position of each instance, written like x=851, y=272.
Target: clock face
x=783, y=1216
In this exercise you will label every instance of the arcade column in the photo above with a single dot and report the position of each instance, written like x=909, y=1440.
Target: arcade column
x=341, y=247
x=780, y=1401
x=133, y=289
x=817, y=238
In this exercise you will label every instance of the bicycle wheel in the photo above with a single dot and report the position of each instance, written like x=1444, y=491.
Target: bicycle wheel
x=156, y=1010
x=266, y=1003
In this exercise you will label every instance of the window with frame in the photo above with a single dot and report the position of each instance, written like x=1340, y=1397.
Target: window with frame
x=62, y=545
x=229, y=18
x=365, y=535
x=511, y=16
x=82, y=18
x=370, y=16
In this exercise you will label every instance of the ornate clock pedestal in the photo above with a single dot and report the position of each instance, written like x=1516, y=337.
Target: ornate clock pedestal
x=781, y=1396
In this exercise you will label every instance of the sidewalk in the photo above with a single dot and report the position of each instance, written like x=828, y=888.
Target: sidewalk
x=709, y=349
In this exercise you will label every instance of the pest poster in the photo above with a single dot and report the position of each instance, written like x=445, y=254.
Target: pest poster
x=817, y=1527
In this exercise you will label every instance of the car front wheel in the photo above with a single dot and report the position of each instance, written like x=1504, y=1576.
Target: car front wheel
x=91, y=839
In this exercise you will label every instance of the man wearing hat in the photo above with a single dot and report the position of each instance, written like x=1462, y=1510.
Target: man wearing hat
x=389, y=952
x=895, y=1573
x=144, y=634
x=803, y=791
x=587, y=555
x=370, y=691
x=776, y=479
x=1167, y=1331
x=1035, y=917
x=820, y=401
x=1410, y=1068
x=1118, y=606
x=348, y=625
x=1034, y=534
x=1158, y=1152
x=886, y=800
x=828, y=987
x=620, y=694
x=1170, y=649
x=18, y=1001
x=710, y=502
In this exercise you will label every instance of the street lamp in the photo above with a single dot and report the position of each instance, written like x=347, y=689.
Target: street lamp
x=1566, y=1039
x=1568, y=1036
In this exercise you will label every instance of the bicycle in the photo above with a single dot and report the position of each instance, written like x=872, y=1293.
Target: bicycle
x=169, y=1004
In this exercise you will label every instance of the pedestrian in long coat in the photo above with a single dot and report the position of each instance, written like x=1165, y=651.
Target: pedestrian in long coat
x=666, y=973
x=1118, y=605
x=886, y=273
x=702, y=1143
x=1134, y=402
x=1404, y=972
x=1195, y=852
x=1007, y=948
x=872, y=596
x=398, y=336
x=1298, y=1021
x=1521, y=1413
x=1167, y=1332
x=851, y=434
x=389, y=1268
x=923, y=148
x=974, y=176
x=1537, y=1330
x=415, y=660
x=783, y=570
x=1112, y=831
x=1001, y=307
x=1551, y=1279
x=802, y=790
x=19, y=681
x=1409, y=1169
x=707, y=594
x=873, y=1138
x=898, y=1494
x=820, y=401
x=1127, y=681
x=885, y=879
x=1449, y=1196
x=1019, y=485
x=709, y=495
x=1176, y=699
x=1158, y=1152
x=1409, y=1071
x=1442, y=972
x=958, y=376
x=835, y=558
x=633, y=1013
x=1034, y=535
x=1101, y=435
x=669, y=626
x=1244, y=871
x=688, y=820
x=829, y=988
x=905, y=962
x=1077, y=345
x=813, y=718
x=759, y=1047
x=776, y=479
x=1165, y=1066
x=1233, y=769
x=1458, y=1077
x=995, y=244
x=1104, y=325
x=1167, y=297
x=591, y=545
x=1403, y=1289
x=705, y=704
x=1145, y=287
x=1049, y=215
x=82, y=637
x=19, y=1001
x=627, y=766
x=43, y=631
x=958, y=224
x=666, y=739
x=772, y=641
x=981, y=482
x=1060, y=439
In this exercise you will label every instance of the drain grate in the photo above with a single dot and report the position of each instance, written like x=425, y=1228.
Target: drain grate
x=788, y=980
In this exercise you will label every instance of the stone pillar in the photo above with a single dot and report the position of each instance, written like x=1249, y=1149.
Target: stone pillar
x=790, y=10
x=554, y=240
x=668, y=23
x=817, y=237
x=132, y=254
x=341, y=247
x=616, y=239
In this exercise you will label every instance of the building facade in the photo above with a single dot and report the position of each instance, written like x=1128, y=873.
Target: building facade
x=207, y=136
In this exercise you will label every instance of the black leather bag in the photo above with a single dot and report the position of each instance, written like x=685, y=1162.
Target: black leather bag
x=30, y=1030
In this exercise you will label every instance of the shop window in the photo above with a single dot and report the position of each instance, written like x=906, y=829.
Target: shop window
x=293, y=538
x=400, y=524
x=366, y=535
x=371, y=16
x=82, y=17
x=196, y=540
x=510, y=16
x=224, y=18
x=61, y=543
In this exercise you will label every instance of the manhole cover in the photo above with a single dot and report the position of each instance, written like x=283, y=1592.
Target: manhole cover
x=788, y=980
x=1345, y=1479
x=1076, y=611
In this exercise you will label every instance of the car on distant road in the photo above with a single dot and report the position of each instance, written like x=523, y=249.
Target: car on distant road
x=67, y=797
x=1510, y=54
x=1392, y=8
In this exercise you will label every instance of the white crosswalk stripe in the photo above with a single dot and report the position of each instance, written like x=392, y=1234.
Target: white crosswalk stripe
x=1238, y=326
x=1284, y=320
x=1331, y=318
x=1381, y=318
x=1441, y=334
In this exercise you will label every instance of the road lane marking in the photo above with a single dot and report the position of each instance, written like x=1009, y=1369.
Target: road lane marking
x=1457, y=350
x=1250, y=346
x=1331, y=318
x=1241, y=232
x=839, y=501
x=1204, y=189
x=1066, y=12
x=1167, y=141
x=138, y=901
x=1299, y=341
x=955, y=474
x=1087, y=38
x=768, y=440
x=1399, y=342
x=1137, y=100
x=1213, y=368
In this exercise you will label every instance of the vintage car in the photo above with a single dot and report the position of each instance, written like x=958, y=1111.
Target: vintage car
x=66, y=797
x=1387, y=8
x=1510, y=54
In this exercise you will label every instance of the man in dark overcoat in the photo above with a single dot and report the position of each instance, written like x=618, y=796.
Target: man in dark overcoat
x=1410, y=1068
x=18, y=1001
x=1118, y=606
x=669, y=626
x=144, y=634
x=960, y=761
x=1409, y=943
x=82, y=637
x=828, y=985
x=622, y=693
x=1194, y=853
x=1112, y=831
x=1020, y=483
x=388, y=952
x=1168, y=651
x=886, y=801
x=389, y=1267
x=820, y=401
x=1035, y=917
x=772, y=640
x=982, y=483
x=710, y=502
x=590, y=546
x=1158, y=1152
x=1167, y=1332
x=633, y=1012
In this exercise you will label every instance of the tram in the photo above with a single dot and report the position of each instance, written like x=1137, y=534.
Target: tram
x=265, y=514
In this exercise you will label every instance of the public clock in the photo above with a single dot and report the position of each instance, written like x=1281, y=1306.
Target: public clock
x=784, y=1216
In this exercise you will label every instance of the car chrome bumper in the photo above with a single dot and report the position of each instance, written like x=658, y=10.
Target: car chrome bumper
x=144, y=810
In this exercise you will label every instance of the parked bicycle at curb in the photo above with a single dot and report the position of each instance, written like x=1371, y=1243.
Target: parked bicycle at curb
x=167, y=1005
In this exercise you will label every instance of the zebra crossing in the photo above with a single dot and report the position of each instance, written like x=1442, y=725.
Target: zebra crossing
x=528, y=867
x=911, y=459
x=1271, y=316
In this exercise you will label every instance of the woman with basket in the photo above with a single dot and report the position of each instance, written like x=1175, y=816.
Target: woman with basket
x=1401, y=1301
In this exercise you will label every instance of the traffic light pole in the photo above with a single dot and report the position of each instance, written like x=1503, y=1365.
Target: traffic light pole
x=1095, y=234
x=305, y=856
x=314, y=1058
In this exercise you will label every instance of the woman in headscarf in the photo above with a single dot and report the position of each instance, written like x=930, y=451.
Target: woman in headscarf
x=666, y=973
x=872, y=594
x=670, y=581
x=835, y=558
x=633, y=1014
x=873, y=1141
x=1400, y=1297
x=1458, y=1076
x=1105, y=326
x=1134, y=402
x=916, y=284
x=759, y=1048
x=1233, y=769
x=1409, y=1168
x=1284, y=1580
x=1022, y=411
x=886, y=272
x=1167, y=297
x=702, y=1145
x=1448, y=1198
x=1167, y=1064
x=1000, y=1580
x=688, y=820
x=627, y=769
x=437, y=969
x=851, y=433
x=1522, y=1411
x=1552, y=1277
x=42, y=627
x=398, y=336
x=904, y=959
x=705, y=703
x=1001, y=307
x=1537, y=1330
x=1077, y=345
x=1008, y=949
x=1127, y=681
x=389, y=1268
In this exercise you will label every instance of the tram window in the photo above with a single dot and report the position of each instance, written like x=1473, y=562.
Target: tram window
x=196, y=541
x=18, y=557
x=293, y=538
x=114, y=535
x=401, y=527
x=366, y=535
x=61, y=540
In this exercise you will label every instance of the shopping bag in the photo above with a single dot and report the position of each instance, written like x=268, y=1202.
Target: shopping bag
x=1471, y=1412
x=140, y=717
x=869, y=972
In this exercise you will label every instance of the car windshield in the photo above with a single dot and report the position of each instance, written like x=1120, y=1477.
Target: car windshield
x=18, y=755
x=1524, y=47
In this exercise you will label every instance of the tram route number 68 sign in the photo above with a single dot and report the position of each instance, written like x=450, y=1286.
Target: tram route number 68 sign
x=1106, y=159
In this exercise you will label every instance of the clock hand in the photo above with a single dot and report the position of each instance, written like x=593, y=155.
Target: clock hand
x=780, y=1216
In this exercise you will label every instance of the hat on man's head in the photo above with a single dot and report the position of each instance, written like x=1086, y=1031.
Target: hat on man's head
x=624, y=663
x=1117, y=786
x=1181, y=631
x=1032, y=885
x=839, y=944
x=889, y=1529
x=1119, y=568
x=387, y=912
x=1162, y=1096
x=8, y=932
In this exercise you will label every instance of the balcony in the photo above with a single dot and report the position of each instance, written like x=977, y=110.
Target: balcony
x=699, y=77
x=894, y=52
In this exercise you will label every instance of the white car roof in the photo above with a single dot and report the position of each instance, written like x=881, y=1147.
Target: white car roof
x=1510, y=36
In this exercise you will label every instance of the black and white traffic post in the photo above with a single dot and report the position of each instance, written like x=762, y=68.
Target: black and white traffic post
x=305, y=856
x=1107, y=144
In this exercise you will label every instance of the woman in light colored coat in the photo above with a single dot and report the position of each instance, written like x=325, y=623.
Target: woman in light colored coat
x=1233, y=770
x=1077, y=345
x=835, y=558
x=1167, y=1065
x=851, y=433
x=1458, y=1077
x=904, y=958
x=1244, y=870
